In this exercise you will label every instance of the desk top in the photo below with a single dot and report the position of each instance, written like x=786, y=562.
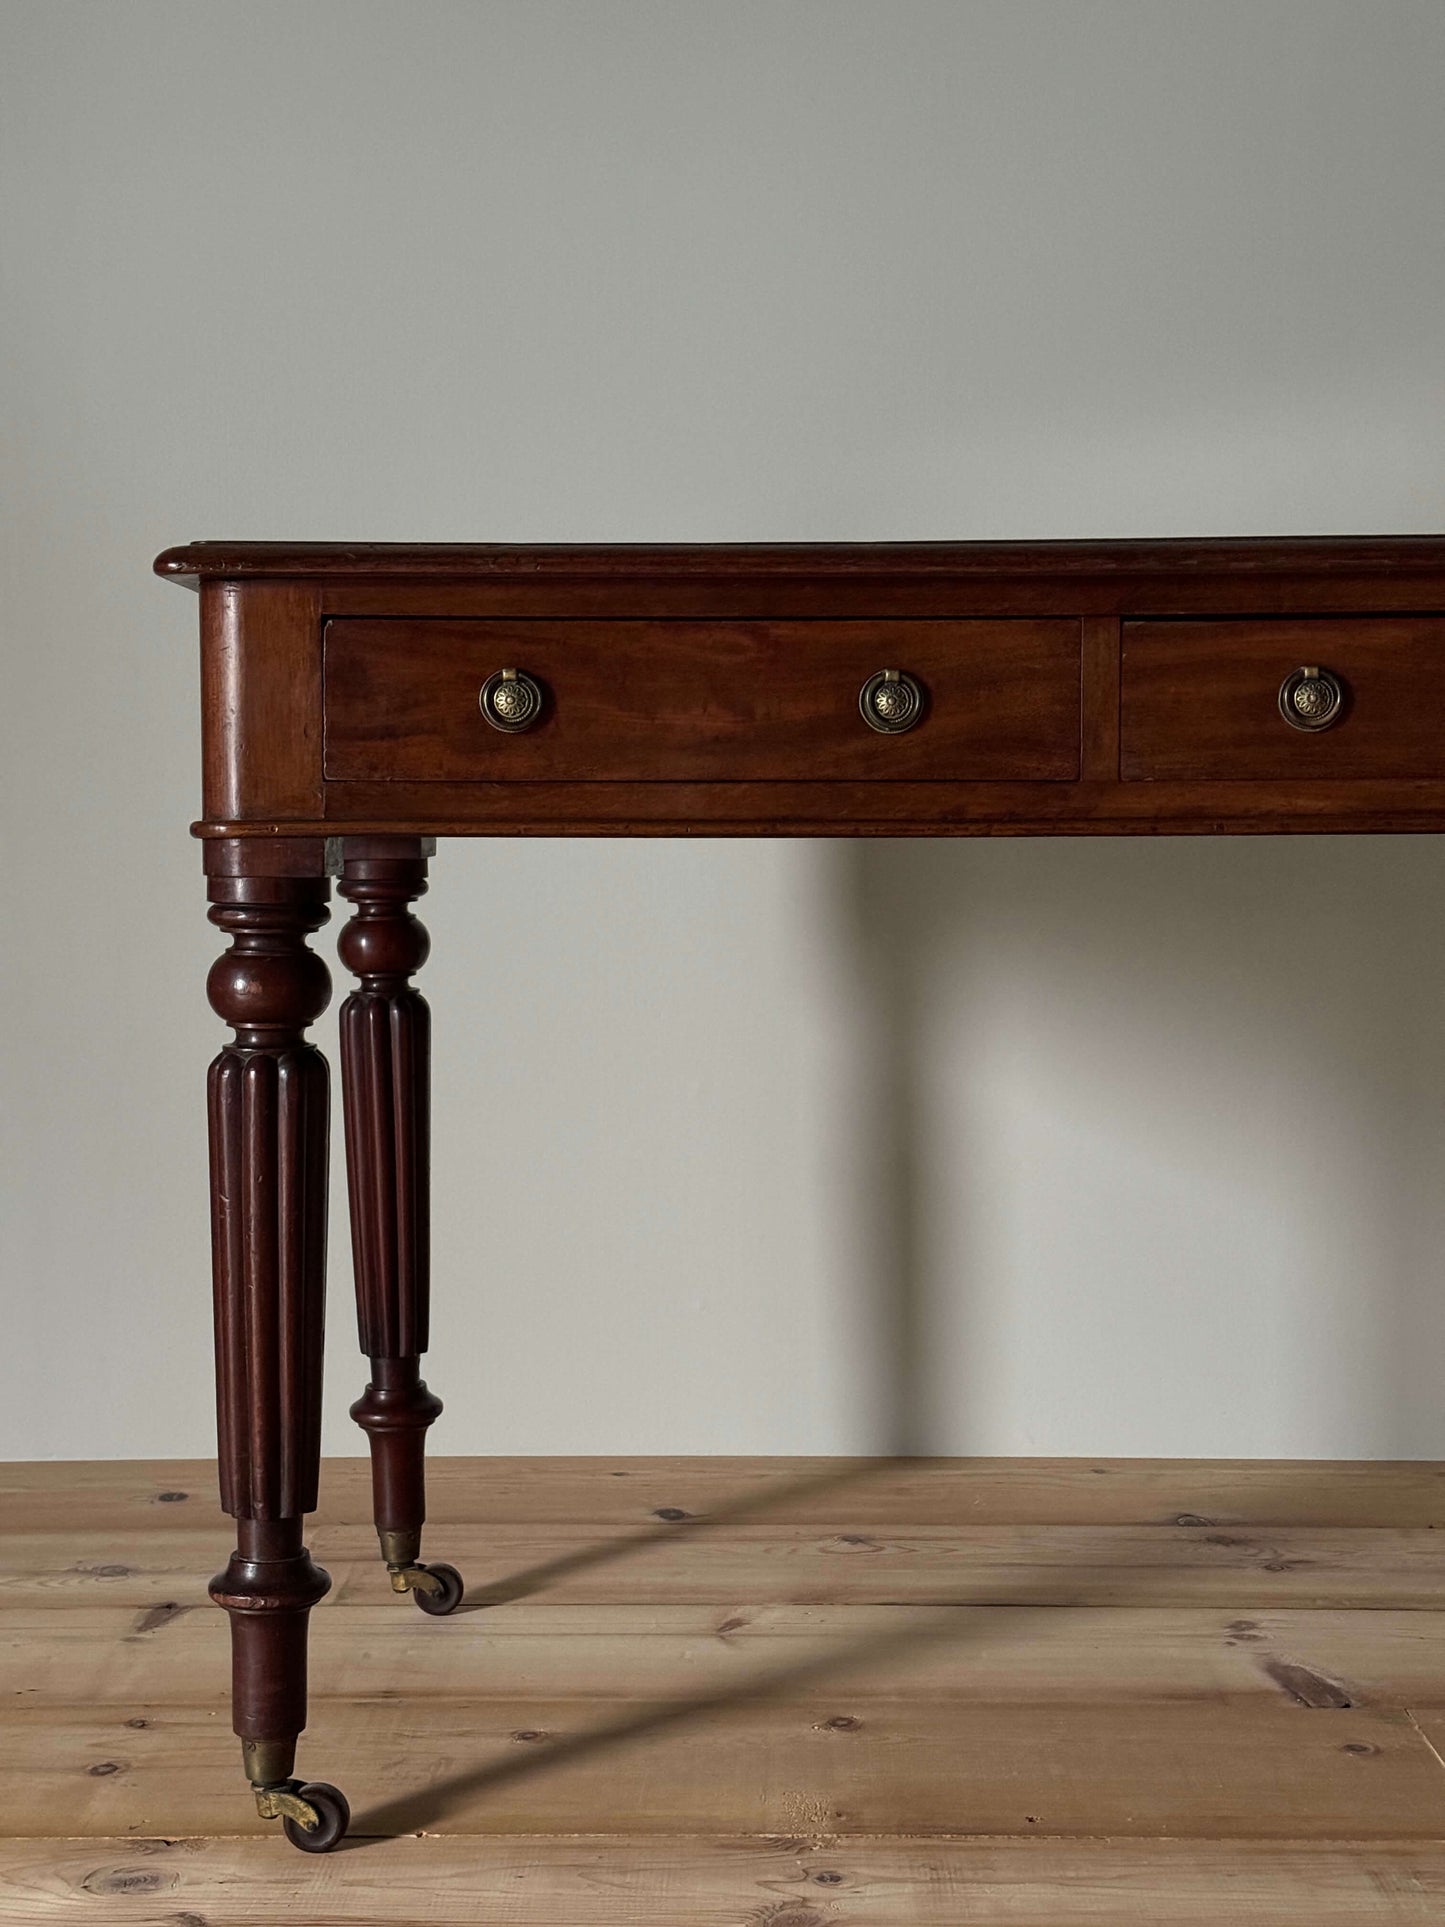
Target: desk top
x=480, y=561
x=1018, y=688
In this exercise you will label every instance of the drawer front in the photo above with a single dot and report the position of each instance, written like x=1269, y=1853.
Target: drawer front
x=700, y=701
x=1202, y=699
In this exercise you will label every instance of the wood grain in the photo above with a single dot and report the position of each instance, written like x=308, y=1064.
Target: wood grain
x=487, y=561
x=701, y=701
x=871, y=1563
x=261, y=720
x=114, y=1655
x=94, y=1496
x=817, y=1766
x=711, y=690
x=689, y=1746
x=1200, y=699
x=1099, y=761
x=640, y=1882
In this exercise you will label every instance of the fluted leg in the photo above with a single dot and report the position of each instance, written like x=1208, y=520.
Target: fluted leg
x=386, y=1092
x=268, y=1107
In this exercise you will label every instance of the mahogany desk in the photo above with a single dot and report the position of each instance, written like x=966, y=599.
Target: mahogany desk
x=358, y=702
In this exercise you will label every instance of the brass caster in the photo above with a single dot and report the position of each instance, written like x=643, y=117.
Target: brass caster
x=436, y=1589
x=313, y=1816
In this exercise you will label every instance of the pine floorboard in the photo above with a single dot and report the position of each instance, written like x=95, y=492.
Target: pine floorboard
x=762, y=1692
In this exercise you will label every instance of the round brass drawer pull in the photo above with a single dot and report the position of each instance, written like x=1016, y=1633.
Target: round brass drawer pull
x=1310, y=698
x=511, y=700
x=890, y=702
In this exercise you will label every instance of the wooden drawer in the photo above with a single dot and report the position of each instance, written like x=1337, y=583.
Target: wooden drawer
x=1201, y=699
x=700, y=701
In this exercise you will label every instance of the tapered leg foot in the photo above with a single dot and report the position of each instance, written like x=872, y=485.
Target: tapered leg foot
x=268, y=1589
x=394, y=1411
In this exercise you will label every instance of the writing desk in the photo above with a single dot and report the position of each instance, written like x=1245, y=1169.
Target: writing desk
x=360, y=701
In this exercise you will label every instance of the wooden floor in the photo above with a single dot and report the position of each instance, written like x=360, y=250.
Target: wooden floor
x=753, y=1693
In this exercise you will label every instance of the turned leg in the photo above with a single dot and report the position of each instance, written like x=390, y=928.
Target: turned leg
x=386, y=1095
x=268, y=1129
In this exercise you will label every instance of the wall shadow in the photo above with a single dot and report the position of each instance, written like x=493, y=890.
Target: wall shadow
x=1240, y=1042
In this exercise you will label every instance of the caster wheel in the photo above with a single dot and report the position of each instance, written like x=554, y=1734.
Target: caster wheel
x=333, y=1817
x=438, y=1604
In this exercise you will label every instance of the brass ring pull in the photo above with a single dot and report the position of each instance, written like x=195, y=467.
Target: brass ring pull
x=1310, y=698
x=511, y=700
x=890, y=702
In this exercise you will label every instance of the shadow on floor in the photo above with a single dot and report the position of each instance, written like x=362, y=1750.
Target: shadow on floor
x=938, y=1622
x=535, y=1579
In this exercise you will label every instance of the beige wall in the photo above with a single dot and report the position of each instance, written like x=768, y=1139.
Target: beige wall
x=1094, y=1147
